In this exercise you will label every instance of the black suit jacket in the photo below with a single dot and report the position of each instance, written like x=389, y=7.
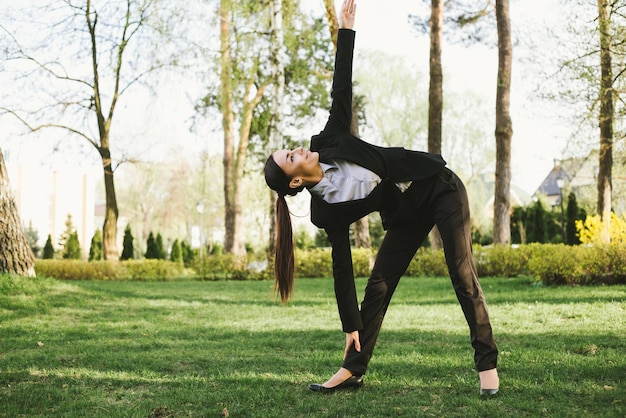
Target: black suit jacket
x=391, y=164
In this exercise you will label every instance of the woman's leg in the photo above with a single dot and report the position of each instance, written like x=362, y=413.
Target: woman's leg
x=393, y=258
x=450, y=209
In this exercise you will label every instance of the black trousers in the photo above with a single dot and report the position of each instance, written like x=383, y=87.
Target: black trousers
x=442, y=201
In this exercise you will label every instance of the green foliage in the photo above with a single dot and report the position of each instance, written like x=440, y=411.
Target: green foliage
x=72, y=247
x=317, y=262
x=427, y=263
x=304, y=240
x=77, y=269
x=128, y=251
x=573, y=214
x=152, y=251
x=48, y=249
x=161, y=252
x=142, y=270
x=228, y=267
x=152, y=270
x=187, y=253
x=177, y=254
x=95, y=250
x=69, y=229
x=579, y=265
x=548, y=263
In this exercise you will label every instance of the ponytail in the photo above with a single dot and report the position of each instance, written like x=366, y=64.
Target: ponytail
x=284, y=260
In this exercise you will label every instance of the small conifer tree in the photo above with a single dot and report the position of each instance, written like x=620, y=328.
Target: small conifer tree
x=187, y=251
x=72, y=247
x=128, y=252
x=177, y=254
x=95, y=250
x=160, y=248
x=151, y=248
x=48, y=249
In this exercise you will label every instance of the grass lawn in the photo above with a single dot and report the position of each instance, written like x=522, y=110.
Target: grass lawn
x=208, y=349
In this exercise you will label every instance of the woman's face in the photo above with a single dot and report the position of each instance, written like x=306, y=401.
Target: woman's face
x=298, y=162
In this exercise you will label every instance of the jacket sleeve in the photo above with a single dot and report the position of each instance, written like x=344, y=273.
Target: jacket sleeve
x=341, y=93
x=343, y=273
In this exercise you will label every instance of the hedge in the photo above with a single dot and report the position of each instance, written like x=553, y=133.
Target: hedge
x=548, y=263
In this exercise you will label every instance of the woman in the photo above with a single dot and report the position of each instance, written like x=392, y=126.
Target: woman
x=413, y=191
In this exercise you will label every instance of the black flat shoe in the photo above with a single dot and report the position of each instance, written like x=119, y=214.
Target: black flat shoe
x=488, y=392
x=353, y=382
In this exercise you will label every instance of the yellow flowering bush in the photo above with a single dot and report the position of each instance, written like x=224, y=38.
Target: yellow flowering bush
x=590, y=231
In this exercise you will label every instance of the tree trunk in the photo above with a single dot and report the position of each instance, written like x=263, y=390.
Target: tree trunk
x=605, y=120
x=435, y=95
x=109, y=229
x=278, y=76
x=235, y=154
x=16, y=256
x=228, y=125
x=361, y=227
x=504, y=129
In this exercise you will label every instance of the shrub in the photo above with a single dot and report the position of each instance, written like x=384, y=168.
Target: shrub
x=500, y=260
x=48, y=249
x=151, y=270
x=427, y=263
x=177, y=254
x=72, y=247
x=152, y=251
x=95, y=249
x=128, y=252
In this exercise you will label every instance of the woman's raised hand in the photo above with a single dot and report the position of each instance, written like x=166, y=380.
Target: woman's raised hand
x=347, y=14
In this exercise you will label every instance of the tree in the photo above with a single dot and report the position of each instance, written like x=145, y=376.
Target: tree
x=435, y=95
x=72, y=250
x=589, y=67
x=571, y=237
x=16, y=256
x=504, y=128
x=128, y=251
x=95, y=249
x=48, y=249
x=606, y=117
x=161, y=252
x=244, y=71
x=65, y=236
x=152, y=251
x=177, y=254
x=108, y=57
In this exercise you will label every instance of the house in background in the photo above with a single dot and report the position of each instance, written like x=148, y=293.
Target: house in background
x=580, y=175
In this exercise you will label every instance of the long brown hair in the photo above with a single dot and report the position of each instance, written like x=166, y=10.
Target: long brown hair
x=284, y=264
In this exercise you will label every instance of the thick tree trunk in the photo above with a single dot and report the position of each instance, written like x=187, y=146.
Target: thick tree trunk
x=435, y=95
x=16, y=256
x=606, y=120
x=504, y=129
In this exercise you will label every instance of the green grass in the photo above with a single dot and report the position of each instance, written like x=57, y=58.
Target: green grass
x=137, y=349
